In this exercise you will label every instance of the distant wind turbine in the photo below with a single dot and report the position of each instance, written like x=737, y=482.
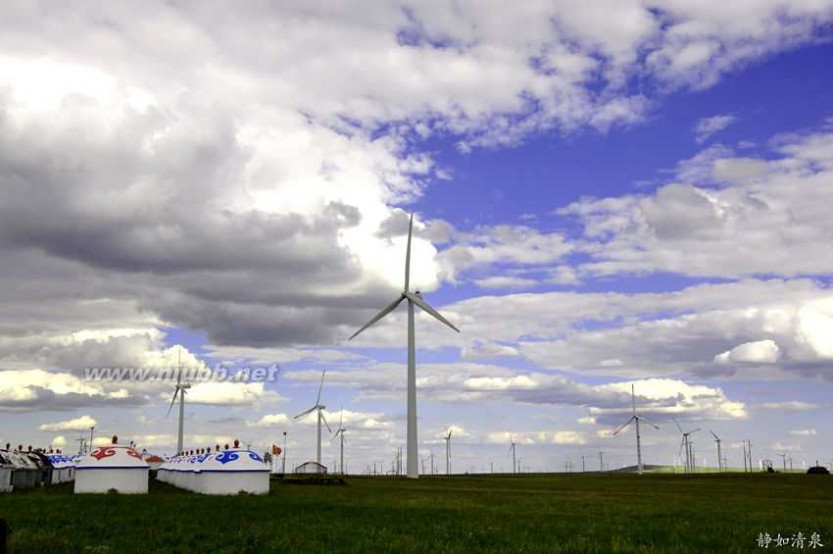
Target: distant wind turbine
x=340, y=433
x=320, y=407
x=413, y=298
x=447, y=440
x=636, y=418
x=719, y=456
x=180, y=389
x=686, y=443
x=512, y=448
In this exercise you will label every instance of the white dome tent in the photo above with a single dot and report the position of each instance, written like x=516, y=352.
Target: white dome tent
x=27, y=468
x=230, y=471
x=112, y=467
x=233, y=471
x=63, y=468
x=6, y=470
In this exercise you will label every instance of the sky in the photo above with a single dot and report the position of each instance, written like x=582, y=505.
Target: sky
x=625, y=193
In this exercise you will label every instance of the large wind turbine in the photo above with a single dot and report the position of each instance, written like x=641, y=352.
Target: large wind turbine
x=719, y=456
x=320, y=407
x=180, y=389
x=340, y=433
x=512, y=448
x=413, y=298
x=447, y=440
x=686, y=443
x=636, y=418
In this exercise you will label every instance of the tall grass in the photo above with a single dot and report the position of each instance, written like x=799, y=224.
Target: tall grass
x=602, y=513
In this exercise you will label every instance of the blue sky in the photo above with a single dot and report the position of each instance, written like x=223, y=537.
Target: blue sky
x=601, y=199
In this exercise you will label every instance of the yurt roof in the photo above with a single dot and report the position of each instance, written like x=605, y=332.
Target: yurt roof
x=22, y=460
x=60, y=461
x=231, y=461
x=112, y=456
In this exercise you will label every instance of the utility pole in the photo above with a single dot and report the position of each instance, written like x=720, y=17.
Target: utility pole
x=783, y=460
x=91, y=436
x=283, y=461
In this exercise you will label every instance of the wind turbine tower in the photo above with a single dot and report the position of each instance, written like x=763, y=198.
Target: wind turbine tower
x=447, y=440
x=635, y=418
x=340, y=433
x=414, y=299
x=180, y=390
x=512, y=444
x=320, y=407
x=719, y=455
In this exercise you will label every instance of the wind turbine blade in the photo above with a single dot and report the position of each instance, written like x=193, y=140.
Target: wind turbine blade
x=320, y=386
x=340, y=417
x=324, y=419
x=682, y=443
x=176, y=391
x=678, y=425
x=425, y=307
x=408, y=256
x=388, y=309
x=715, y=436
x=633, y=400
x=640, y=418
x=302, y=414
x=628, y=422
x=692, y=432
x=449, y=433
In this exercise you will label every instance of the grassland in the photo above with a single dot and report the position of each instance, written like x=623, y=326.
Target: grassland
x=605, y=513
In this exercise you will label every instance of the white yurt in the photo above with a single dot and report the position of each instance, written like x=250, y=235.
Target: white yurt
x=311, y=468
x=231, y=472
x=63, y=468
x=27, y=472
x=112, y=467
x=6, y=471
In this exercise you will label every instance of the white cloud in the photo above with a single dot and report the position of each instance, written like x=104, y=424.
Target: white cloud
x=803, y=432
x=694, y=228
x=271, y=420
x=78, y=424
x=671, y=397
x=708, y=126
x=792, y=406
x=758, y=352
x=228, y=393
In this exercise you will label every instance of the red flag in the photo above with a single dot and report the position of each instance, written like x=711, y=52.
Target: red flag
x=276, y=450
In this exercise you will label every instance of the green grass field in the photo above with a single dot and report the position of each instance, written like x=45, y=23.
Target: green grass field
x=528, y=513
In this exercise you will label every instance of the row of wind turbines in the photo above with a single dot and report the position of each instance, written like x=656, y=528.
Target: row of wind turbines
x=415, y=299
x=686, y=444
